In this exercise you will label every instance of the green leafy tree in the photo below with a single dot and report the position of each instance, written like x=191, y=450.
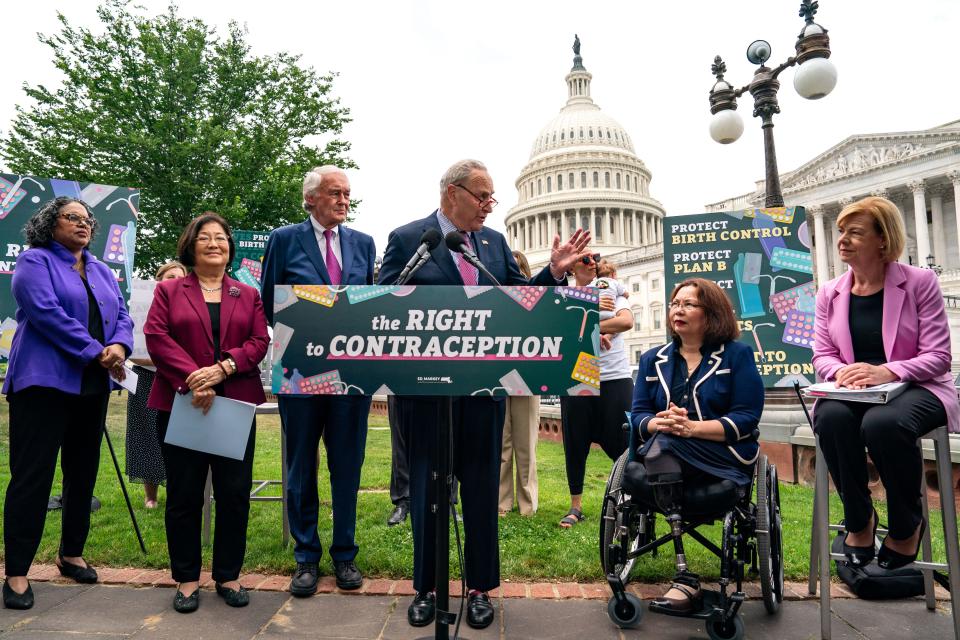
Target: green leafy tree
x=194, y=119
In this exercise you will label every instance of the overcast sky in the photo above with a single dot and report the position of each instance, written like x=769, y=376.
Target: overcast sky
x=430, y=82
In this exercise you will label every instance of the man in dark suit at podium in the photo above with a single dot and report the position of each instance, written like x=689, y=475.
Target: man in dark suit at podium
x=466, y=199
x=320, y=250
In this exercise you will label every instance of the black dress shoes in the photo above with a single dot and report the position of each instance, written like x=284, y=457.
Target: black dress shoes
x=479, y=610
x=233, y=597
x=304, y=582
x=348, y=576
x=186, y=604
x=399, y=514
x=14, y=600
x=83, y=575
x=423, y=609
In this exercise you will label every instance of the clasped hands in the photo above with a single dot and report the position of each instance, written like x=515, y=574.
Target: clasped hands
x=860, y=374
x=111, y=359
x=674, y=420
x=201, y=383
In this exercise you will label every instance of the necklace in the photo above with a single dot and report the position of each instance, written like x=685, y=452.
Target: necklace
x=214, y=290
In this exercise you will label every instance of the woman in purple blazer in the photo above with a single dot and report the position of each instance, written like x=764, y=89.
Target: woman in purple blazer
x=882, y=321
x=206, y=334
x=72, y=329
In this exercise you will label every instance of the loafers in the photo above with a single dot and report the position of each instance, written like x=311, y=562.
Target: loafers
x=186, y=604
x=348, y=576
x=423, y=609
x=479, y=610
x=83, y=575
x=304, y=581
x=233, y=597
x=399, y=514
x=14, y=600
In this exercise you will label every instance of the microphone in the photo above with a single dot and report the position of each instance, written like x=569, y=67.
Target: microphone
x=429, y=241
x=456, y=242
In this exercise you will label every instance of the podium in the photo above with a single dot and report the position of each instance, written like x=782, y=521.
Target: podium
x=444, y=341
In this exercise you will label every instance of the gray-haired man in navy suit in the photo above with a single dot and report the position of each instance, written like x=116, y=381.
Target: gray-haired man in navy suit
x=320, y=250
x=466, y=199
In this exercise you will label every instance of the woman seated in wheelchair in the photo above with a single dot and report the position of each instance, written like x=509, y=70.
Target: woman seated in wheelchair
x=696, y=407
x=881, y=321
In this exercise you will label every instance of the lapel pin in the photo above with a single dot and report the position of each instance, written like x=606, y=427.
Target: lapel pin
x=483, y=241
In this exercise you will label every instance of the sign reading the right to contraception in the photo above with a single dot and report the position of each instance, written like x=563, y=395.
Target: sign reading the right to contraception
x=435, y=340
x=761, y=259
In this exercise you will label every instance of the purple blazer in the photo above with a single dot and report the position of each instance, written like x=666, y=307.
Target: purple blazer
x=180, y=339
x=52, y=345
x=916, y=334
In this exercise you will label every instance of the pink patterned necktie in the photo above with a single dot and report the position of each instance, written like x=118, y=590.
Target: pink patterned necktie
x=467, y=271
x=333, y=267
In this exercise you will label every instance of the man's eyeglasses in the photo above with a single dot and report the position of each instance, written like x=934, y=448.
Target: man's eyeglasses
x=592, y=259
x=79, y=220
x=686, y=304
x=481, y=202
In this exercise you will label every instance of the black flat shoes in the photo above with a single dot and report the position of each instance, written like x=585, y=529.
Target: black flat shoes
x=860, y=556
x=233, y=597
x=84, y=575
x=186, y=604
x=14, y=600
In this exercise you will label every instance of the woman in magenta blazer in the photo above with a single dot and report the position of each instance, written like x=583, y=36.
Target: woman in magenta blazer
x=206, y=334
x=880, y=322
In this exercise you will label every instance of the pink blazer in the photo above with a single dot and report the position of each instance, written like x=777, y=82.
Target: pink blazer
x=180, y=341
x=916, y=334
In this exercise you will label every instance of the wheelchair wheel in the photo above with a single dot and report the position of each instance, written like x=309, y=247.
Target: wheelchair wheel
x=732, y=629
x=612, y=517
x=626, y=615
x=768, y=531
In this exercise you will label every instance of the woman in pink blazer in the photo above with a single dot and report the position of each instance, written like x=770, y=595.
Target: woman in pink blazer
x=206, y=333
x=882, y=321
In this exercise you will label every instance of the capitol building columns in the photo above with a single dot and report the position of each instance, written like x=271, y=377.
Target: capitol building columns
x=918, y=188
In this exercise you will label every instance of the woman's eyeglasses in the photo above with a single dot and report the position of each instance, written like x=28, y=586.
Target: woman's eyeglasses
x=594, y=259
x=79, y=220
x=686, y=304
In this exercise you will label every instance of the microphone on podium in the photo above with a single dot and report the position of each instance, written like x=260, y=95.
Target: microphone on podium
x=456, y=242
x=429, y=241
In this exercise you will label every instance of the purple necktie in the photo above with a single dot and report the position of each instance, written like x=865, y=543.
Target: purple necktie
x=467, y=271
x=333, y=267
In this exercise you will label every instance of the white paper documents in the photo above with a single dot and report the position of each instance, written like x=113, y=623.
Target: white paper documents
x=224, y=431
x=879, y=394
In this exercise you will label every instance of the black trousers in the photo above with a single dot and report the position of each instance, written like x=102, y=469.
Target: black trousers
x=43, y=422
x=889, y=433
x=592, y=419
x=399, y=454
x=186, y=478
x=477, y=439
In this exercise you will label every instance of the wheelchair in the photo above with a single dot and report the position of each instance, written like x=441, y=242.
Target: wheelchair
x=751, y=537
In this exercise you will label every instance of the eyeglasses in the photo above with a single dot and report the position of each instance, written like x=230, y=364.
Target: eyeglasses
x=481, y=202
x=84, y=221
x=218, y=239
x=686, y=304
x=595, y=259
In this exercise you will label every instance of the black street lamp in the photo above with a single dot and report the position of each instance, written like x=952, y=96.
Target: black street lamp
x=933, y=266
x=816, y=76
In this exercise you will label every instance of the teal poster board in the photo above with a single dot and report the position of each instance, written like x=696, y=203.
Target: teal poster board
x=115, y=208
x=761, y=259
x=248, y=258
x=435, y=340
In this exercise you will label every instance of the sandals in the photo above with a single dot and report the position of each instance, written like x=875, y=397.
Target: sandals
x=688, y=584
x=573, y=518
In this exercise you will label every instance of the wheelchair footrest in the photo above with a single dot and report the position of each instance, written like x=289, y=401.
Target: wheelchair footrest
x=711, y=606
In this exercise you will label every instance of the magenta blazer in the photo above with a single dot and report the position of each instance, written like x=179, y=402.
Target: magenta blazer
x=916, y=334
x=180, y=341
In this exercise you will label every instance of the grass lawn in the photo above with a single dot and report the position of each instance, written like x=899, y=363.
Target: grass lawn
x=530, y=548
